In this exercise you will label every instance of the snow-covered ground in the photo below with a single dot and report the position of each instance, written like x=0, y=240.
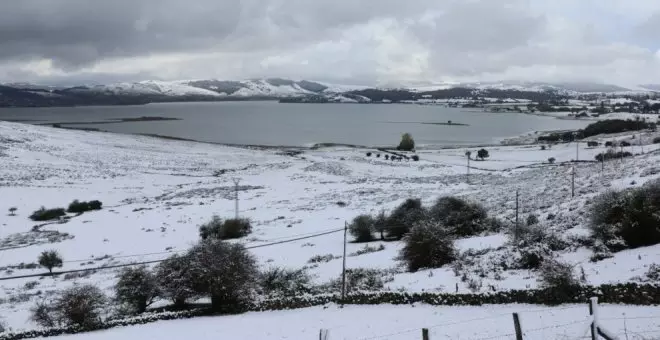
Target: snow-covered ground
x=389, y=322
x=157, y=192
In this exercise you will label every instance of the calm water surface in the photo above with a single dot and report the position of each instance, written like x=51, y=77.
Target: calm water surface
x=271, y=123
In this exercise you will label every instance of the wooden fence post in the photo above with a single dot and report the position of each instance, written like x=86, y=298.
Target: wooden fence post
x=516, y=325
x=425, y=334
x=593, y=306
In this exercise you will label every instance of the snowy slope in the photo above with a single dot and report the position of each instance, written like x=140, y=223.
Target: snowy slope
x=157, y=192
x=262, y=88
x=152, y=87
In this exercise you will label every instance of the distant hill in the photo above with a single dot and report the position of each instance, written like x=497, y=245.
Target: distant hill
x=286, y=90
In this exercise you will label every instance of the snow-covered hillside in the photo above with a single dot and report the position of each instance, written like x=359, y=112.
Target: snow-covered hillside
x=157, y=192
x=152, y=87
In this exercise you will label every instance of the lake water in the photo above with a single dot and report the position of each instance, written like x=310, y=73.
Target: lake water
x=275, y=124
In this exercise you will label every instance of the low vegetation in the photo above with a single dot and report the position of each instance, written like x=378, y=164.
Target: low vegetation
x=560, y=278
x=460, y=217
x=79, y=306
x=627, y=219
x=367, y=249
x=225, y=272
x=225, y=230
x=44, y=214
x=611, y=154
x=404, y=217
x=284, y=282
x=360, y=280
x=174, y=277
x=136, y=289
x=614, y=126
x=362, y=228
x=12, y=211
x=428, y=245
x=77, y=207
x=600, y=127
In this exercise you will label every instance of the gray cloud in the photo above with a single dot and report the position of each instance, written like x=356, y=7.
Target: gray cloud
x=352, y=40
x=78, y=32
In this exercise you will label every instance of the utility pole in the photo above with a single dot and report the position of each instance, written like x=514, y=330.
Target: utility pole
x=236, y=181
x=343, y=267
x=577, y=150
x=517, y=205
x=468, y=154
x=573, y=182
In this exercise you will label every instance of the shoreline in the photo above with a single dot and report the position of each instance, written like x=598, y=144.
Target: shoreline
x=317, y=146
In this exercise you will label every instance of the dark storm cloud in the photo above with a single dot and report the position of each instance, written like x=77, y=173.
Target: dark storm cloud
x=362, y=40
x=76, y=32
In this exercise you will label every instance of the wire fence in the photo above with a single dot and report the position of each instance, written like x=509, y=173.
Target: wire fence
x=500, y=326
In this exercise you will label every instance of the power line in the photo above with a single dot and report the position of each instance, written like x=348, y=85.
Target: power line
x=295, y=239
x=155, y=261
x=110, y=257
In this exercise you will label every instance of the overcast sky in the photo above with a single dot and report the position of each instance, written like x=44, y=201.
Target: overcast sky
x=347, y=41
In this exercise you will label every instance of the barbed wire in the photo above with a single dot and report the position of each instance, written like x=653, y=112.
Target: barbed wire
x=439, y=325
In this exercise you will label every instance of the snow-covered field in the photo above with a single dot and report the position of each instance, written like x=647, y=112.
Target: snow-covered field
x=157, y=192
x=389, y=322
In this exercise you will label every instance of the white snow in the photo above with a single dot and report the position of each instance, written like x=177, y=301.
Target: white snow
x=157, y=192
x=264, y=88
x=153, y=87
x=400, y=323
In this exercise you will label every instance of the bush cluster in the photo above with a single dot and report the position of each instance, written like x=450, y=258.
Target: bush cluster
x=614, y=126
x=77, y=207
x=566, y=137
x=276, y=281
x=79, y=306
x=628, y=218
x=404, y=216
x=44, y=214
x=218, y=229
x=428, y=233
x=611, y=154
x=226, y=273
x=462, y=217
x=362, y=228
x=428, y=245
x=136, y=289
x=559, y=277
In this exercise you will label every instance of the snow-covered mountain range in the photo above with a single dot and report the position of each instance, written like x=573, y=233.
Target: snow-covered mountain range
x=21, y=94
x=271, y=88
